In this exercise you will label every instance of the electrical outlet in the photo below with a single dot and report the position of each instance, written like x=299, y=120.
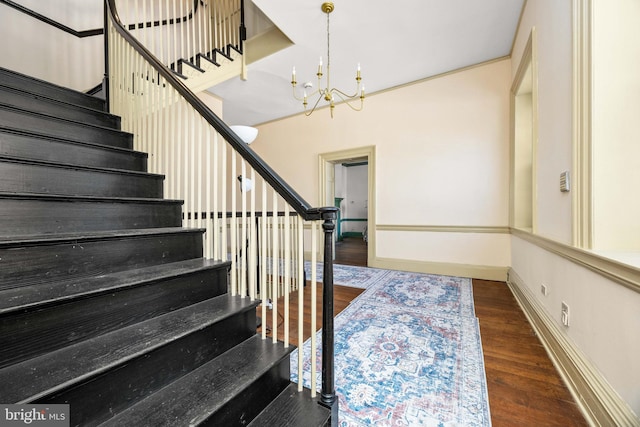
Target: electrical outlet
x=565, y=314
x=543, y=289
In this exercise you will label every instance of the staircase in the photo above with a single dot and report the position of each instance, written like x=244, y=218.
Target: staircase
x=106, y=303
x=206, y=70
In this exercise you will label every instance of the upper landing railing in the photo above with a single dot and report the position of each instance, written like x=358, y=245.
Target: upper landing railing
x=97, y=31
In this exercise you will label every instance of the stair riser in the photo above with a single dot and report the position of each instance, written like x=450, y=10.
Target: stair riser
x=246, y=405
x=29, y=265
x=39, y=104
x=37, y=332
x=36, y=216
x=62, y=128
x=120, y=387
x=297, y=407
x=15, y=80
x=44, y=179
x=52, y=150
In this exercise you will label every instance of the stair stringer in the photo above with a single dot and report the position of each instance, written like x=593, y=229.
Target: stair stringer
x=230, y=66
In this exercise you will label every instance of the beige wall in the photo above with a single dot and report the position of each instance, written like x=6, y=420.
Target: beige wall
x=554, y=149
x=40, y=50
x=442, y=160
x=616, y=134
x=605, y=316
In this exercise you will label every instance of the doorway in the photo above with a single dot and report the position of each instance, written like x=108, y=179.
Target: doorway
x=347, y=181
x=524, y=141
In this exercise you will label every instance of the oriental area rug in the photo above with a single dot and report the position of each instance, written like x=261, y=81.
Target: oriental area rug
x=408, y=353
x=347, y=275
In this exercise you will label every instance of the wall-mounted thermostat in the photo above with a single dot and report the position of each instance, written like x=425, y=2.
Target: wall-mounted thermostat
x=564, y=181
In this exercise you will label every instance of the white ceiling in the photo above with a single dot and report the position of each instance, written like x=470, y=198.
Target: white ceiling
x=395, y=43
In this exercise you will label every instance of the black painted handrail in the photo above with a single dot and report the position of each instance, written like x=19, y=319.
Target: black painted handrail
x=149, y=24
x=268, y=174
x=328, y=214
x=46, y=20
x=97, y=31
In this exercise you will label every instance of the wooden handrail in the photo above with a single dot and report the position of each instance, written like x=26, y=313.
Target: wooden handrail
x=97, y=31
x=328, y=215
x=296, y=201
x=53, y=23
x=172, y=21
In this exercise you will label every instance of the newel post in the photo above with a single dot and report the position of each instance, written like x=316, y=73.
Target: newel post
x=328, y=396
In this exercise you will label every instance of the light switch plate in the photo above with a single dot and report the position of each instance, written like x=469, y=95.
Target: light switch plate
x=564, y=182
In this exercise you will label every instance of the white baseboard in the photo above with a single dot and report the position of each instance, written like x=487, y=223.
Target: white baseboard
x=447, y=269
x=598, y=401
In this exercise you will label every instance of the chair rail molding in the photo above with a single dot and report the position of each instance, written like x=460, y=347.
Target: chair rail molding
x=492, y=229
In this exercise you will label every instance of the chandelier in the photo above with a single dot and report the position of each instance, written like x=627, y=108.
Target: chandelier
x=328, y=93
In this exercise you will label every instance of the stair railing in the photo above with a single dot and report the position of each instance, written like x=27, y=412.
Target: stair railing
x=209, y=167
x=178, y=31
x=166, y=20
x=96, y=31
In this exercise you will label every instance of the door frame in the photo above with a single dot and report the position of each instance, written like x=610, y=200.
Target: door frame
x=334, y=157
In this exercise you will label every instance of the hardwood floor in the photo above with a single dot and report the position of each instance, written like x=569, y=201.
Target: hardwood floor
x=343, y=295
x=523, y=385
x=351, y=251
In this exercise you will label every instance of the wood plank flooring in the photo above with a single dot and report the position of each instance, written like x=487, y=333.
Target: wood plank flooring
x=523, y=385
x=342, y=296
x=351, y=251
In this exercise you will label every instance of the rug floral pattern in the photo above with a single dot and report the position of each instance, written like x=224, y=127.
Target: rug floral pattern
x=347, y=275
x=408, y=353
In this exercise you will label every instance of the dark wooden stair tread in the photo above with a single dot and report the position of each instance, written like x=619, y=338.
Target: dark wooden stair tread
x=21, y=81
x=50, y=124
x=24, y=98
x=36, y=296
x=190, y=400
x=35, y=239
x=30, y=259
x=43, y=177
x=41, y=376
x=106, y=302
x=55, y=197
x=62, y=165
x=69, y=121
x=293, y=409
x=43, y=136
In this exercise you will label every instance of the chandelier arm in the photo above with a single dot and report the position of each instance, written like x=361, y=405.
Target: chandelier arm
x=314, y=107
x=344, y=95
x=324, y=91
x=348, y=101
x=295, y=96
x=309, y=95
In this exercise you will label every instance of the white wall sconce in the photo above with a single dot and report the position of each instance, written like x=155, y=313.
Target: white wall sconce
x=246, y=184
x=246, y=133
